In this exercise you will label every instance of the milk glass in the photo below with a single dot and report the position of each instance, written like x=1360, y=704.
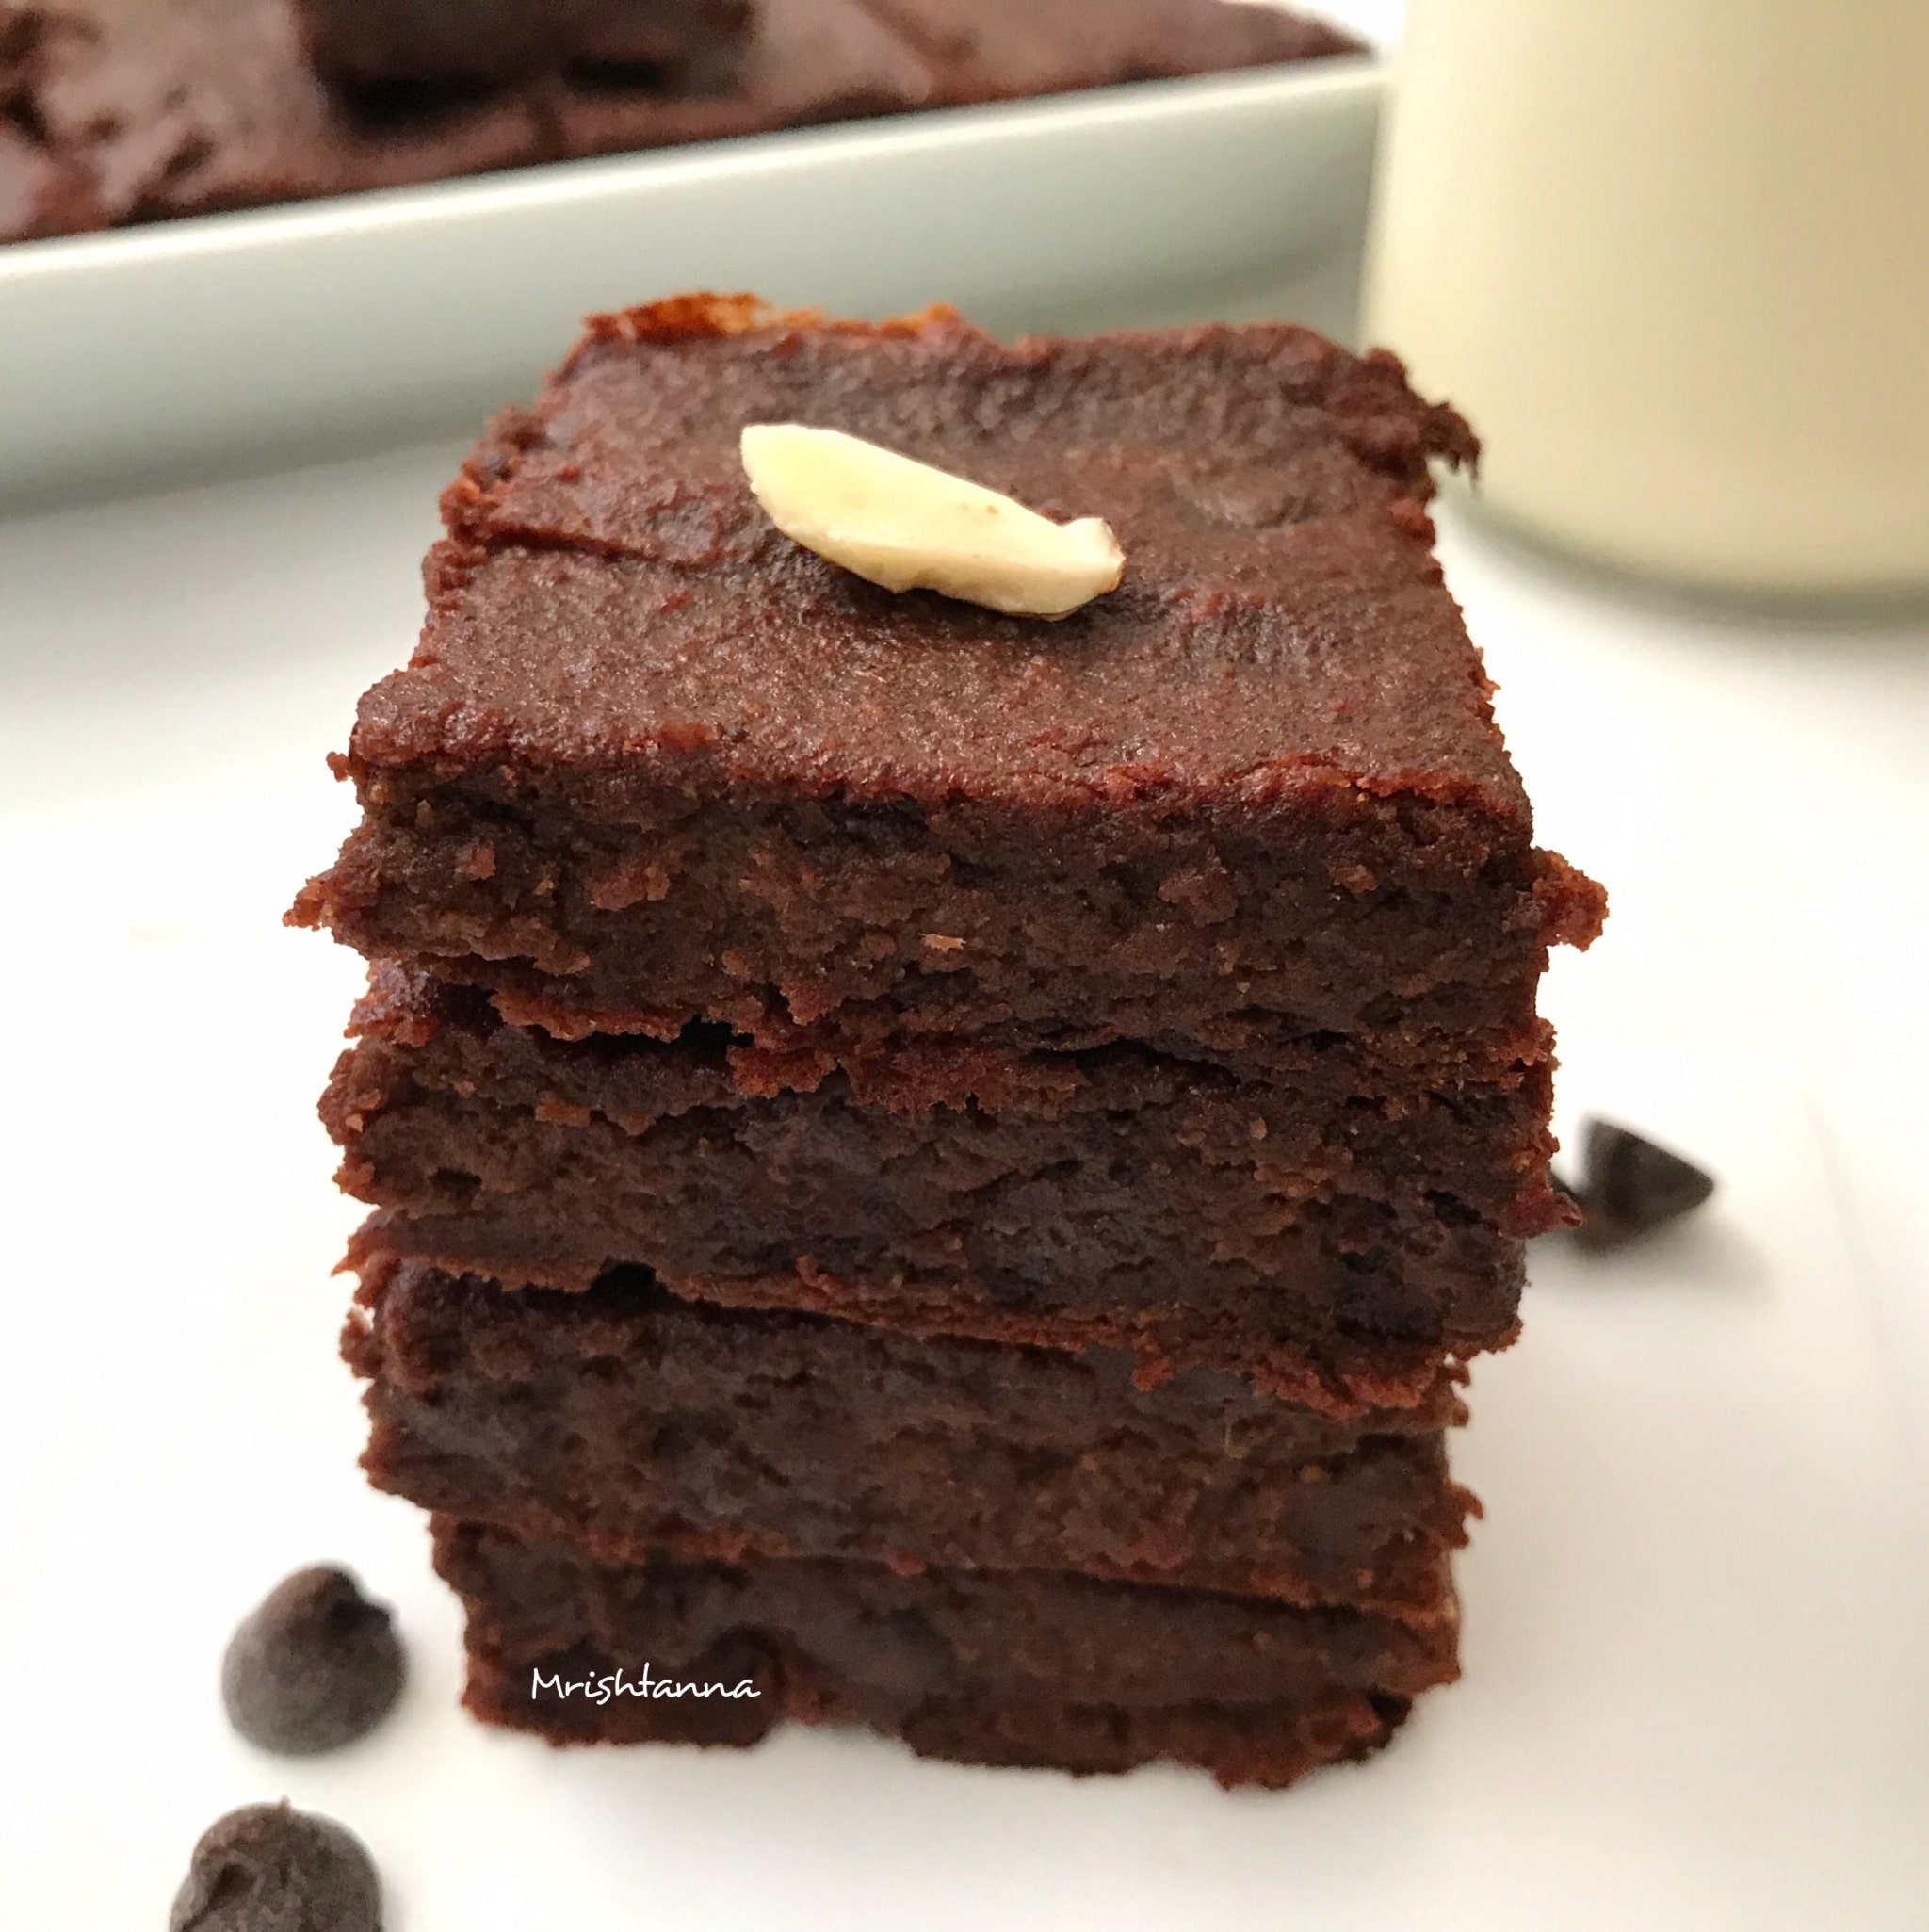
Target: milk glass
x=1671, y=258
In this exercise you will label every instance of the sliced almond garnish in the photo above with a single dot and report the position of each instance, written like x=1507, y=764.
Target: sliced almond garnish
x=905, y=526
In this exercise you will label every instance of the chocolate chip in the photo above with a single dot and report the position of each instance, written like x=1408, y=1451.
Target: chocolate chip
x=317, y=1666
x=1630, y=1185
x=270, y=1868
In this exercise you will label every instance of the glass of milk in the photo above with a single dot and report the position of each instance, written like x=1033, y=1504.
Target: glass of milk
x=1671, y=258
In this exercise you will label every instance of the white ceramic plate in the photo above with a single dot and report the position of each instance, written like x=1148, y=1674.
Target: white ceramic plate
x=146, y=355
x=1697, y=1685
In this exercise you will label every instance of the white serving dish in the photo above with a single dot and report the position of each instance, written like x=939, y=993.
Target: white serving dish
x=146, y=355
x=1697, y=1688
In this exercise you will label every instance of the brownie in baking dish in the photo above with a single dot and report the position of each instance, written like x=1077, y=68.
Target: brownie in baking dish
x=810, y=60
x=1030, y=1668
x=372, y=43
x=985, y=50
x=116, y=111
x=143, y=109
x=653, y=762
x=624, y=1419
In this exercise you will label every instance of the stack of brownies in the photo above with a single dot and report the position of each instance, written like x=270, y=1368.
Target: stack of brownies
x=932, y=1168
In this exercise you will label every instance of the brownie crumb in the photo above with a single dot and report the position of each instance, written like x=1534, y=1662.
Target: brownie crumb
x=270, y=1868
x=1630, y=1185
x=314, y=1667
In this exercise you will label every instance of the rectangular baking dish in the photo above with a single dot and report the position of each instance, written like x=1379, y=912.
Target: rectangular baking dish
x=146, y=356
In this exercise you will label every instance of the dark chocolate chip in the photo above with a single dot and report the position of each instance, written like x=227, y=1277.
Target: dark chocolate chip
x=1631, y=1185
x=270, y=1868
x=317, y=1666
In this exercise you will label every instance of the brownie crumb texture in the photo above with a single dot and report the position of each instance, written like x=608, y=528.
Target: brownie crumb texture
x=1028, y=1668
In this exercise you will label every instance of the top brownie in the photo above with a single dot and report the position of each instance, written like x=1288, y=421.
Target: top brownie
x=654, y=762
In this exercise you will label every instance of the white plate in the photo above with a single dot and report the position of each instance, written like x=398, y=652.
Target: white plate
x=1697, y=1685
x=155, y=353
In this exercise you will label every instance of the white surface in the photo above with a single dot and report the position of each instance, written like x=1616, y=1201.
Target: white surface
x=1697, y=1684
x=141, y=353
x=1679, y=319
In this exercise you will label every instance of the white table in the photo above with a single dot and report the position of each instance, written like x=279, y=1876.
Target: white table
x=1697, y=1689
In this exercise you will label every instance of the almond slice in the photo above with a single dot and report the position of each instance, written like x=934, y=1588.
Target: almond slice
x=906, y=526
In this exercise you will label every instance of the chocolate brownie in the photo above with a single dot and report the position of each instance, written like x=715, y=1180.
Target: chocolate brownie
x=370, y=42
x=654, y=762
x=39, y=194
x=624, y=1419
x=813, y=60
x=1297, y=1231
x=116, y=111
x=1233, y=1149
x=985, y=50
x=147, y=109
x=1289, y=1343
x=1028, y=1667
